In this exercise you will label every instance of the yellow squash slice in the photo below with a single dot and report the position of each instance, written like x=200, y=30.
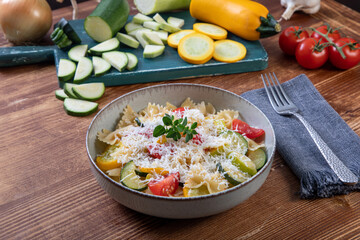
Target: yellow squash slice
x=229, y=51
x=211, y=30
x=196, y=48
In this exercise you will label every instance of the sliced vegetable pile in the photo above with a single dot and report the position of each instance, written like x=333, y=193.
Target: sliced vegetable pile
x=324, y=43
x=181, y=152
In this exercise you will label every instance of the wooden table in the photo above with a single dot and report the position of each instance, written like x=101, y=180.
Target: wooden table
x=47, y=190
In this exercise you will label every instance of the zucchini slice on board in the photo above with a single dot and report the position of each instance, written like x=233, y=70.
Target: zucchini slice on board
x=258, y=156
x=60, y=94
x=211, y=30
x=109, y=45
x=152, y=25
x=152, y=38
x=132, y=61
x=174, y=38
x=118, y=60
x=169, y=28
x=229, y=51
x=78, y=51
x=107, y=19
x=177, y=22
x=130, y=179
x=100, y=66
x=89, y=91
x=153, y=51
x=77, y=107
x=68, y=30
x=128, y=40
x=140, y=18
x=83, y=70
x=68, y=90
x=66, y=70
x=196, y=48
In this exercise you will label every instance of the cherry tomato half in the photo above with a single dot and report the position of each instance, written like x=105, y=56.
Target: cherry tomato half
x=311, y=54
x=351, y=50
x=244, y=129
x=179, y=111
x=290, y=38
x=165, y=186
x=326, y=29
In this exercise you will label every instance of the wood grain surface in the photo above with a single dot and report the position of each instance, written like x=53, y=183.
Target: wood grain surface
x=47, y=190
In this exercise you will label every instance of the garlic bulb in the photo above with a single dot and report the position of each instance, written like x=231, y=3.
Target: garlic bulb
x=307, y=6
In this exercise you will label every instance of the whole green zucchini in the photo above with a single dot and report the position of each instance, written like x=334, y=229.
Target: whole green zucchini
x=107, y=19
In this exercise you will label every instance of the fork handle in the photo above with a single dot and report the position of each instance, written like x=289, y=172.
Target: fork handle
x=344, y=174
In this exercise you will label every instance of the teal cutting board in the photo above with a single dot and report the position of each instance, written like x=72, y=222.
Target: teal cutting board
x=168, y=66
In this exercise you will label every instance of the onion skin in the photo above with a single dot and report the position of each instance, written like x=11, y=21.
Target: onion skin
x=24, y=21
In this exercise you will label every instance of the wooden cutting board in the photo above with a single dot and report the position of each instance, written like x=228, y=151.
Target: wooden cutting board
x=168, y=66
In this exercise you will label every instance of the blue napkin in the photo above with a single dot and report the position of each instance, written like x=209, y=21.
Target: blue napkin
x=298, y=149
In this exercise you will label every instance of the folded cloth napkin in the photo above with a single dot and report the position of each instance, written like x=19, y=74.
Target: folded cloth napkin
x=298, y=149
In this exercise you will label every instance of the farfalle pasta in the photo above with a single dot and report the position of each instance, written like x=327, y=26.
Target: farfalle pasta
x=210, y=153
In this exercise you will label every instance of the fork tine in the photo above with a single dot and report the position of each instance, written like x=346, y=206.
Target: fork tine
x=282, y=90
x=280, y=93
x=269, y=91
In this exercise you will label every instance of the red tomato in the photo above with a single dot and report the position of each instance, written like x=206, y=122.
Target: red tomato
x=325, y=29
x=179, y=111
x=311, y=54
x=290, y=38
x=165, y=186
x=351, y=49
x=158, y=150
x=244, y=129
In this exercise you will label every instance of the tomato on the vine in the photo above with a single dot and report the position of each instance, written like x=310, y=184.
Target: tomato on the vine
x=165, y=186
x=291, y=37
x=311, y=54
x=333, y=34
x=351, y=50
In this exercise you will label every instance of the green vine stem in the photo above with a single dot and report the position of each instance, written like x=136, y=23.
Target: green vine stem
x=331, y=43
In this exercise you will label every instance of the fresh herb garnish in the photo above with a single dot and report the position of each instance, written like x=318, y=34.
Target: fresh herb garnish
x=175, y=129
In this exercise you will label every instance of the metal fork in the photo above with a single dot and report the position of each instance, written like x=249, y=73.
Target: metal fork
x=284, y=106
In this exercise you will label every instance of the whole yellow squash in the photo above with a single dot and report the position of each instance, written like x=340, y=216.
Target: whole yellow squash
x=245, y=18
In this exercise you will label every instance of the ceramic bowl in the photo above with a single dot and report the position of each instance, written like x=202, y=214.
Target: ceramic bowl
x=178, y=208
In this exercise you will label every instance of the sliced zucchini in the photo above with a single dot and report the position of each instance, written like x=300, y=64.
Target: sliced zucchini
x=243, y=163
x=60, y=94
x=132, y=61
x=106, y=46
x=163, y=35
x=68, y=30
x=128, y=40
x=77, y=52
x=194, y=192
x=64, y=42
x=169, y=28
x=100, y=66
x=152, y=38
x=153, y=51
x=152, y=25
x=140, y=173
x=118, y=60
x=129, y=27
x=57, y=36
x=133, y=33
x=105, y=161
x=77, y=107
x=89, y=91
x=66, y=69
x=130, y=179
x=236, y=142
x=107, y=19
x=233, y=177
x=83, y=70
x=68, y=90
x=196, y=48
x=140, y=37
x=211, y=30
x=53, y=34
x=258, y=156
x=176, y=22
x=174, y=38
x=140, y=18
x=229, y=51
x=158, y=18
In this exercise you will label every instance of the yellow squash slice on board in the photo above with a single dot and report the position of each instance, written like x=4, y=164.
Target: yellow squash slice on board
x=229, y=51
x=196, y=48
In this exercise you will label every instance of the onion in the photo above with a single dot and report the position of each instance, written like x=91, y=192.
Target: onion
x=25, y=20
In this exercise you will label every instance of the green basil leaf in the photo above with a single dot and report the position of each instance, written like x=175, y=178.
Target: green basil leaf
x=167, y=121
x=180, y=128
x=185, y=121
x=159, y=130
x=188, y=137
x=194, y=125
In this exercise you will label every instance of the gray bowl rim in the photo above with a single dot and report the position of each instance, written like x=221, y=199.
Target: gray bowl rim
x=268, y=163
